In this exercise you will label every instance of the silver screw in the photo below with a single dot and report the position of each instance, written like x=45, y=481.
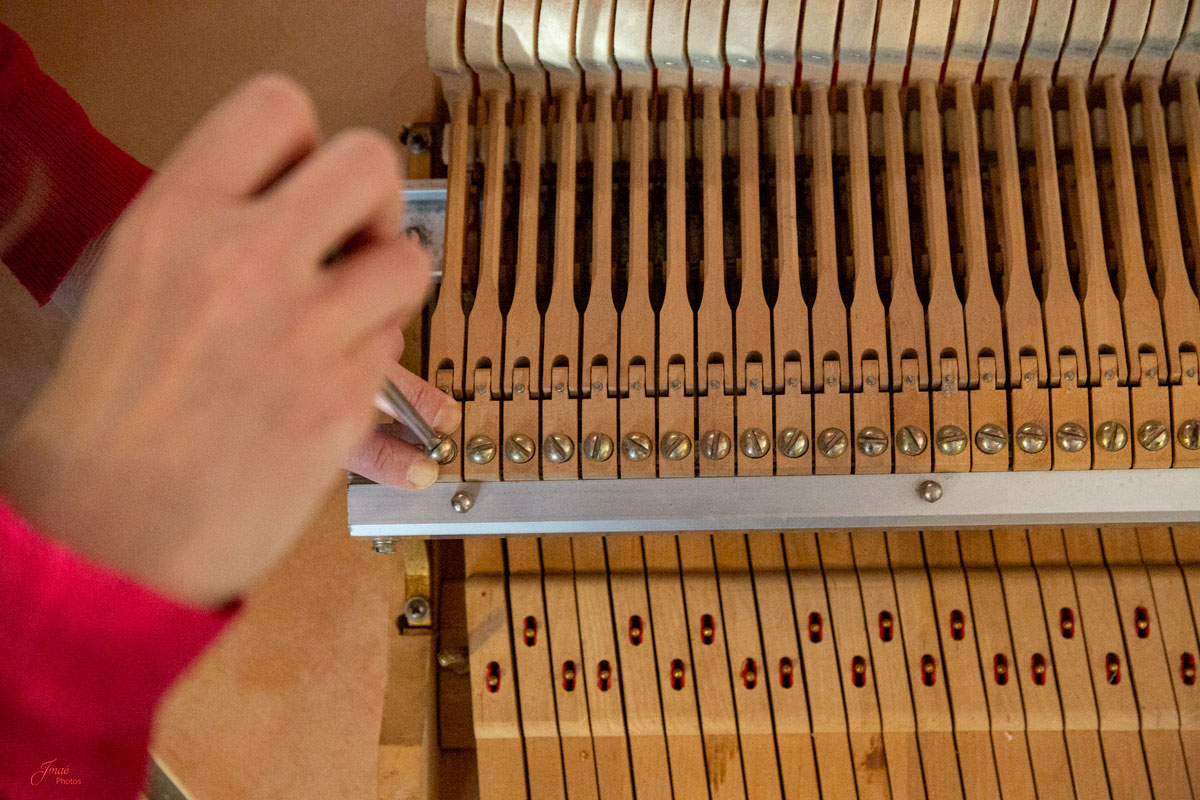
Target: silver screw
x=675, y=445
x=445, y=452
x=831, y=442
x=872, y=441
x=1071, y=437
x=990, y=439
x=911, y=440
x=1189, y=434
x=480, y=449
x=416, y=609
x=462, y=502
x=1111, y=435
x=715, y=445
x=558, y=448
x=951, y=440
x=597, y=447
x=930, y=491
x=636, y=446
x=1032, y=438
x=754, y=443
x=519, y=448
x=792, y=442
x=1153, y=435
x=383, y=545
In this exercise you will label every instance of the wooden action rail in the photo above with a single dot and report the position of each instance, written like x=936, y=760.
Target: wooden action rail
x=976, y=664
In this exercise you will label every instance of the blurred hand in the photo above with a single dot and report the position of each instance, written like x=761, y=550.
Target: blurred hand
x=220, y=373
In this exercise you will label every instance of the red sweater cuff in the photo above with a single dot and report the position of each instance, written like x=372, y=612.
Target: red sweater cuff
x=61, y=182
x=85, y=655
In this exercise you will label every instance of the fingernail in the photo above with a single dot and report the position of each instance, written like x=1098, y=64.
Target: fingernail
x=423, y=473
x=448, y=417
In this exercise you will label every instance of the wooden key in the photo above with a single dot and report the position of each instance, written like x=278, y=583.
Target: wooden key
x=935, y=727
x=518, y=457
x=600, y=675
x=678, y=677
x=782, y=673
x=644, y=712
x=749, y=669
x=821, y=674
x=498, y=743
x=535, y=675
x=885, y=637
x=1187, y=554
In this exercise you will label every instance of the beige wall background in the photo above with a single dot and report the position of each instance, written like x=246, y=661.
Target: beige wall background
x=287, y=704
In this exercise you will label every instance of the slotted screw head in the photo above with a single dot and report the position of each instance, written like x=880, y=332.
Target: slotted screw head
x=558, y=448
x=519, y=448
x=1031, y=438
x=872, y=441
x=951, y=440
x=831, y=442
x=754, y=443
x=1111, y=435
x=911, y=440
x=445, y=452
x=990, y=439
x=1071, y=437
x=675, y=445
x=1153, y=435
x=1189, y=434
x=480, y=449
x=636, y=446
x=462, y=502
x=597, y=447
x=715, y=445
x=930, y=491
x=792, y=442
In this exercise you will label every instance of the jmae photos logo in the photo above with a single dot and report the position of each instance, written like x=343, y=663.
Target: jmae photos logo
x=60, y=774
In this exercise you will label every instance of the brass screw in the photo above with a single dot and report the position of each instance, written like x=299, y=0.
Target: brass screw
x=1039, y=668
x=598, y=447
x=1031, y=438
x=754, y=443
x=911, y=440
x=785, y=668
x=715, y=445
x=1071, y=437
x=568, y=674
x=831, y=442
x=454, y=660
x=792, y=442
x=990, y=439
x=1189, y=434
x=1001, y=668
x=493, y=680
x=519, y=448
x=558, y=448
x=860, y=668
x=1153, y=435
x=872, y=441
x=675, y=445
x=677, y=673
x=707, y=632
x=636, y=446
x=951, y=440
x=1111, y=435
x=480, y=449
x=445, y=452
x=604, y=674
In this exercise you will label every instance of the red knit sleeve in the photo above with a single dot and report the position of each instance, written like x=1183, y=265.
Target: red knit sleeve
x=85, y=655
x=61, y=182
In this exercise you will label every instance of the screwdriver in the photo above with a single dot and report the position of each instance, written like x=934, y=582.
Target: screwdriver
x=393, y=402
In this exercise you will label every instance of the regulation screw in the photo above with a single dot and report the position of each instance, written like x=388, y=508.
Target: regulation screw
x=462, y=502
x=416, y=609
x=990, y=439
x=1071, y=437
x=636, y=446
x=951, y=440
x=930, y=491
x=1031, y=438
x=480, y=449
x=911, y=440
x=519, y=448
x=831, y=442
x=415, y=140
x=445, y=451
x=715, y=445
x=1153, y=435
x=1111, y=435
x=754, y=443
x=384, y=546
x=792, y=442
x=872, y=441
x=675, y=445
x=454, y=660
x=1189, y=434
x=597, y=447
x=558, y=448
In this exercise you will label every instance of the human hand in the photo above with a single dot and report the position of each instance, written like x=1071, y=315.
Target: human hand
x=219, y=373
